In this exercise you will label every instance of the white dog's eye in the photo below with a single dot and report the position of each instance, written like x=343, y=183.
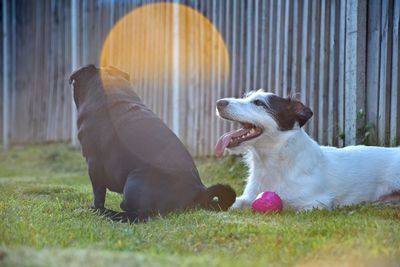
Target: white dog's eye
x=258, y=103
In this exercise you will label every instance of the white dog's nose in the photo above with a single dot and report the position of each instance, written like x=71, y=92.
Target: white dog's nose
x=221, y=104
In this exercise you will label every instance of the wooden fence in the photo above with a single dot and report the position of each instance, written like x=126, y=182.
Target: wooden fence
x=341, y=57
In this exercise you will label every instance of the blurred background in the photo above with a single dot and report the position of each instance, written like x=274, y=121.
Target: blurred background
x=340, y=57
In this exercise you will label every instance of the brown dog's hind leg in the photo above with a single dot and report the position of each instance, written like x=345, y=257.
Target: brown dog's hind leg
x=99, y=189
x=135, y=202
x=122, y=217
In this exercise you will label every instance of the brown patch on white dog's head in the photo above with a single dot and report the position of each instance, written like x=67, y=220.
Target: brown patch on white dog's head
x=287, y=112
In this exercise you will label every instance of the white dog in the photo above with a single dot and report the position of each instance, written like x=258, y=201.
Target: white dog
x=282, y=158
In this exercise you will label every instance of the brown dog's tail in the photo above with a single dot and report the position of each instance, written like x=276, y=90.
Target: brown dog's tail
x=219, y=197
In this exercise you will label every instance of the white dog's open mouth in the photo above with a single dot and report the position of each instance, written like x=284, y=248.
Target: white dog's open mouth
x=236, y=137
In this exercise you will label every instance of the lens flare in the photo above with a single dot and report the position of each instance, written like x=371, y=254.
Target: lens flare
x=141, y=43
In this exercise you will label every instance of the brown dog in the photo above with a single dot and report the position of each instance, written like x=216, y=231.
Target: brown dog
x=129, y=150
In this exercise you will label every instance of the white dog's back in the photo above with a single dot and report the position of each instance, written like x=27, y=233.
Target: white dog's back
x=361, y=173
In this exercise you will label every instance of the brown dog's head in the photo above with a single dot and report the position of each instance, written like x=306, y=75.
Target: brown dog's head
x=92, y=80
x=80, y=79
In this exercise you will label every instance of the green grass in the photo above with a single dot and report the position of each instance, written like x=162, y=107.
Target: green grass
x=45, y=220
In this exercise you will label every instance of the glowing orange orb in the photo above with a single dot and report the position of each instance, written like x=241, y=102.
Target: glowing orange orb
x=141, y=43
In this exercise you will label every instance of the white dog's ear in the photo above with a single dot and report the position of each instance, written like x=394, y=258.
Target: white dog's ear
x=301, y=111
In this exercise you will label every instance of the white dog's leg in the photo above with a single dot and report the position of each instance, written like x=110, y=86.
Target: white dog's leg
x=241, y=203
x=249, y=195
x=321, y=202
x=311, y=208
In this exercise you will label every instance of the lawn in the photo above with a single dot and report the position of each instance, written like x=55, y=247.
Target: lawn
x=45, y=220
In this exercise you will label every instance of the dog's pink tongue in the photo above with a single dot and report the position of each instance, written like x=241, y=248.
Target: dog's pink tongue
x=222, y=143
x=225, y=139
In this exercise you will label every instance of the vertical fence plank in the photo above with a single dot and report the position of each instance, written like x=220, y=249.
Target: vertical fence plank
x=6, y=83
x=225, y=14
x=278, y=54
x=313, y=73
x=152, y=62
x=175, y=70
x=323, y=79
x=84, y=33
x=234, y=54
x=263, y=44
x=52, y=72
x=249, y=30
x=384, y=75
x=1, y=80
x=156, y=65
x=74, y=65
x=219, y=29
x=255, y=42
x=189, y=129
x=197, y=87
x=66, y=67
x=341, y=72
x=52, y=52
x=13, y=86
x=305, y=52
x=241, y=68
x=271, y=56
x=167, y=41
x=48, y=65
x=212, y=120
x=208, y=81
x=373, y=62
x=34, y=104
x=296, y=52
x=287, y=47
x=56, y=67
x=354, y=69
x=43, y=64
x=332, y=71
x=234, y=50
x=395, y=86
x=202, y=126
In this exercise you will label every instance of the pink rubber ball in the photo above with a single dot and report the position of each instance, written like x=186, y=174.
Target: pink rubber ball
x=267, y=202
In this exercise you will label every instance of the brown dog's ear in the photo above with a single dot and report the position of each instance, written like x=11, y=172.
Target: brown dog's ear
x=118, y=72
x=83, y=73
x=301, y=111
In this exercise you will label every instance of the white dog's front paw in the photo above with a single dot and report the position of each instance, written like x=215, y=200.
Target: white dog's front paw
x=311, y=207
x=241, y=203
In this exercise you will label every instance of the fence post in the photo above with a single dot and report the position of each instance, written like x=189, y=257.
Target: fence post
x=355, y=53
x=175, y=69
x=74, y=65
x=6, y=52
x=13, y=65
